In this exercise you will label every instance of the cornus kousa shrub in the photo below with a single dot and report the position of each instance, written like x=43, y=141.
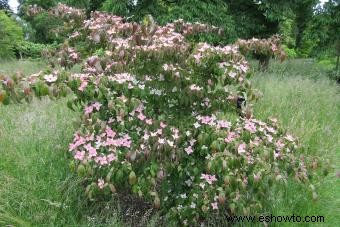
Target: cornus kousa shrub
x=160, y=120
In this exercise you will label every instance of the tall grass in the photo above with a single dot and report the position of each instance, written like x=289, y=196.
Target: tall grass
x=307, y=104
x=8, y=67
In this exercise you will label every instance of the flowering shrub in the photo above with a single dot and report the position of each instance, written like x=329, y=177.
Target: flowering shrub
x=160, y=121
x=263, y=50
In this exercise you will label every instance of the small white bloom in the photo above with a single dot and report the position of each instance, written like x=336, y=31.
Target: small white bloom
x=197, y=125
x=50, y=78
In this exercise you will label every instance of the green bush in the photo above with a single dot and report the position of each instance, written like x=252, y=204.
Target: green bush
x=26, y=49
x=10, y=34
x=291, y=53
x=216, y=14
x=306, y=48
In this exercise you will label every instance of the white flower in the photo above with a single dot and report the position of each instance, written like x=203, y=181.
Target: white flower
x=202, y=185
x=161, y=77
x=232, y=74
x=183, y=196
x=197, y=125
x=50, y=78
x=171, y=143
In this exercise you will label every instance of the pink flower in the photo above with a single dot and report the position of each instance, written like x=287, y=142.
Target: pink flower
x=101, y=160
x=88, y=109
x=111, y=157
x=192, y=142
x=141, y=116
x=194, y=87
x=223, y=124
x=279, y=144
x=72, y=146
x=231, y=137
x=146, y=136
x=97, y=105
x=148, y=121
x=89, y=138
x=162, y=125
x=83, y=85
x=241, y=148
x=214, y=206
x=110, y=133
x=289, y=138
x=101, y=183
x=269, y=137
x=175, y=136
x=188, y=150
x=208, y=120
x=250, y=126
x=80, y=155
x=271, y=130
x=92, y=151
x=209, y=178
x=274, y=48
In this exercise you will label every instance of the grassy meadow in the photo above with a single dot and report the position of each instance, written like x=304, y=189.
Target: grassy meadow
x=37, y=188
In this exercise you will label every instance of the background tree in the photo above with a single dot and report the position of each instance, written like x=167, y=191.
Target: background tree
x=324, y=28
x=10, y=34
x=303, y=11
x=210, y=12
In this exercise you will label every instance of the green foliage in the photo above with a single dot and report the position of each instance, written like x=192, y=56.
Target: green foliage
x=258, y=19
x=324, y=30
x=45, y=27
x=10, y=34
x=28, y=49
x=306, y=48
x=213, y=13
x=117, y=7
x=287, y=32
x=291, y=53
x=303, y=11
x=46, y=4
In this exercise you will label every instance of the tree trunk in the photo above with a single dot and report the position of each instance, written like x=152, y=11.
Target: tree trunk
x=337, y=47
x=298, y=39
x=263, y=62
